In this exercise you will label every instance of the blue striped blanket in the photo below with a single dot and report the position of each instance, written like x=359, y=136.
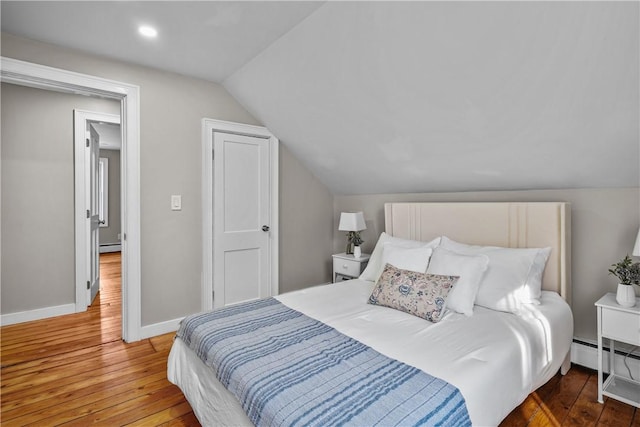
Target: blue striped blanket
x=287, y=369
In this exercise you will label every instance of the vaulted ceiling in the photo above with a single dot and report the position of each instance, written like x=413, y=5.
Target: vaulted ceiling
x=378, y=97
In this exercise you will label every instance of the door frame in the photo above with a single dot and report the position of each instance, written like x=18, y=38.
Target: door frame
x=43, y=77
x=82, y=194
x=209, y=126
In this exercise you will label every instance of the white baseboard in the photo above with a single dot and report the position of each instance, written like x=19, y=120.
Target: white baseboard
x=60, y=310
x=37, y=314
x=586, y=355
x=110, y=248
x=160, y=328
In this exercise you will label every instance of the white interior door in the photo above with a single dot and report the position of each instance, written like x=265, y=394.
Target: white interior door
x=93, y=215
x=241, y=217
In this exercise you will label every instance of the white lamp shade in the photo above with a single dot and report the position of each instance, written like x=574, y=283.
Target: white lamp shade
x=352, y=221
x=636, y=248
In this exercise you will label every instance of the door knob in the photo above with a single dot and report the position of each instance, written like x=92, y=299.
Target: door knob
x=265, y=228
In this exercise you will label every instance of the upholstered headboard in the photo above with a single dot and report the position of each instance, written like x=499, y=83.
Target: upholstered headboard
x=514, y=225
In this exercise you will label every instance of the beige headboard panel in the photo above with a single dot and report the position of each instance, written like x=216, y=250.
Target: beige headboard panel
x=514, y=225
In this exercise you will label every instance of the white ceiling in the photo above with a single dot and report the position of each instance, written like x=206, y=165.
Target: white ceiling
x=381, y=97
x=204, y=39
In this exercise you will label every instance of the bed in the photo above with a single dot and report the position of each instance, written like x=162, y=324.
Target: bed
x=493, y=358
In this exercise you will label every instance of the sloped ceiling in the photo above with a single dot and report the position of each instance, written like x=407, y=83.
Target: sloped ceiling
x=377, y=97
x=447, y=96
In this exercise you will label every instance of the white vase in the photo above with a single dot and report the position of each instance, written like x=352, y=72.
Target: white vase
x=626, y=295
x=357, y=252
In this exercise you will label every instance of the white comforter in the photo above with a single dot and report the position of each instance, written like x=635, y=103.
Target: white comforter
x=495, y=359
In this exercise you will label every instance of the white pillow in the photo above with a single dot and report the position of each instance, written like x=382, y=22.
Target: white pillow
x=470, y=269
x=414, y=259
x=514, y=275
x=375, y=266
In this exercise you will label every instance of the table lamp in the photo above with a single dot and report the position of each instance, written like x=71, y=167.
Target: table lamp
x=353, y=223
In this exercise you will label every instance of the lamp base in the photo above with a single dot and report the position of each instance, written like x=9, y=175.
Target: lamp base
x=349, y=249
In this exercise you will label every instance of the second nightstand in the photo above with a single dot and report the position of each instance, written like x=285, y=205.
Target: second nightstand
x=617, y=323
x=347, y=267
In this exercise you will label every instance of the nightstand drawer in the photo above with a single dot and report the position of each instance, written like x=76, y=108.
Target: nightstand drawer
x=346, y=267
x=621, y=326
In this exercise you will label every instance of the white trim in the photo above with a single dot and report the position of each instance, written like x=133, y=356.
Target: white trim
x=116, y=247
x=37, y=314
x=48, y=78
x=585, y=355
x=208, y=127
x=207, y=217
x=275, y=218
x=160, y=328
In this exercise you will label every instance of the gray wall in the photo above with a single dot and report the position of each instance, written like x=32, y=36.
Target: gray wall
x=171, y=109
x=109, y=234
x=604, y=227
x=306, y=226
x=38, y=197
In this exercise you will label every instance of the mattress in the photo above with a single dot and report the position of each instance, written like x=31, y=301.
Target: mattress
x=495, y=359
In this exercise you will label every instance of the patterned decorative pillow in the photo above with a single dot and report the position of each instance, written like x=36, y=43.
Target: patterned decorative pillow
x=423, y=295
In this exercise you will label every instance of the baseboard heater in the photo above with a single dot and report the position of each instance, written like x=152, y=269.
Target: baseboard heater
x=585, y=353
x=606, y=348
x=110, y=247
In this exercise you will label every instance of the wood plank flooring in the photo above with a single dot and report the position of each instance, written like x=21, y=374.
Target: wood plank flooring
x=75, y=371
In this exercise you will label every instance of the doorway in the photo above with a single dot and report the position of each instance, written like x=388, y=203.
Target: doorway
x=37, y=76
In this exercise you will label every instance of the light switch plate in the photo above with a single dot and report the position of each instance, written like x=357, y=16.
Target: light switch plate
x=176, y=203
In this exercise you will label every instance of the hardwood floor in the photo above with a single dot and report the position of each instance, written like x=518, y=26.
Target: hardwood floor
x=571, y=400
x=75, y=371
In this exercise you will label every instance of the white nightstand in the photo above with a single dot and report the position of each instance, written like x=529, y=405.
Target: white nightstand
x=347, y=267
x=622, y=324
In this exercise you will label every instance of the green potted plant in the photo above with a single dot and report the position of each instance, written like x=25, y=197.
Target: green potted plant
x=628, y=272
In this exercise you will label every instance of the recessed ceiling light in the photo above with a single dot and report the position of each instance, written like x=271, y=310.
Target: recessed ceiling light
x=148, y=31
